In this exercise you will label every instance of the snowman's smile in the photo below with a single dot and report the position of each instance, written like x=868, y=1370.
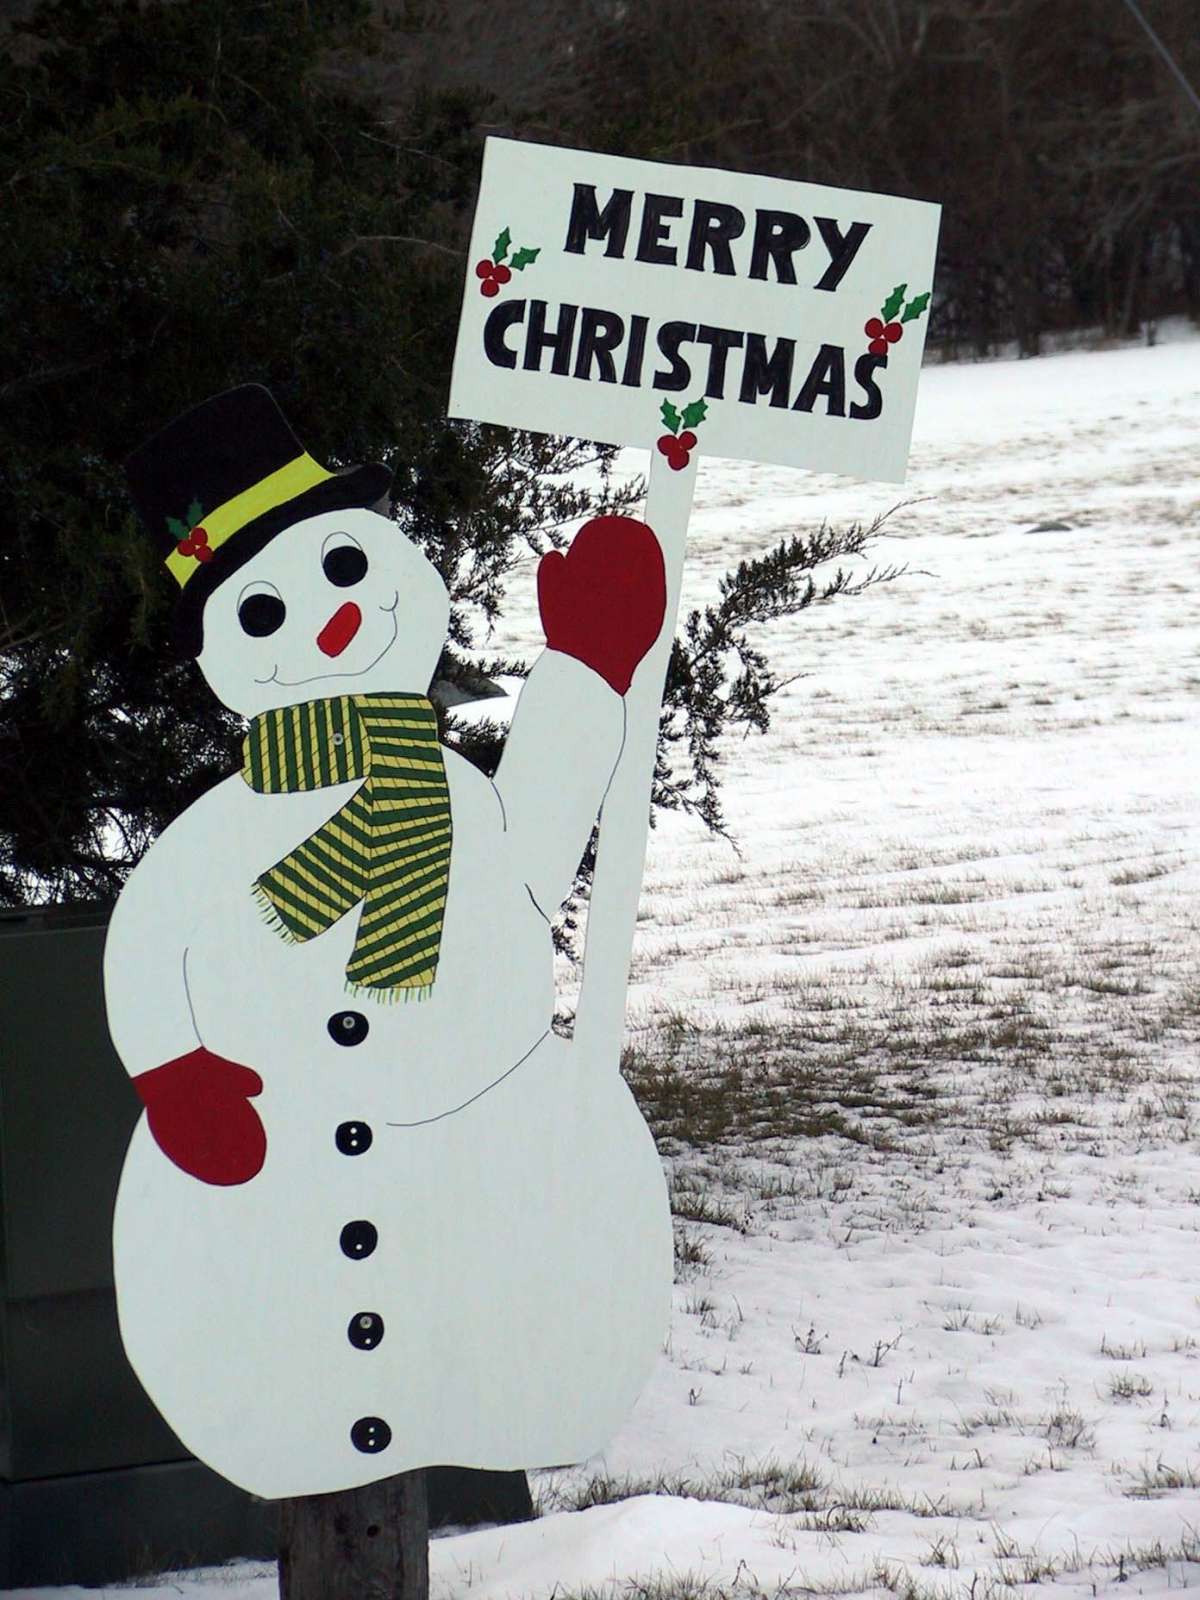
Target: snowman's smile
x=295, y=683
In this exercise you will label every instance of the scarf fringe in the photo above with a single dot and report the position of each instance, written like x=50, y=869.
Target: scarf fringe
x=400, y=993
x=271, y=917
x=387, y=996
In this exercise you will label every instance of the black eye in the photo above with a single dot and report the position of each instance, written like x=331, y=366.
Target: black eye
x=344, y=564
x=260, y=614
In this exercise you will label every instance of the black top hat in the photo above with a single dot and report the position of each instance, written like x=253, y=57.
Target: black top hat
x=220, y=482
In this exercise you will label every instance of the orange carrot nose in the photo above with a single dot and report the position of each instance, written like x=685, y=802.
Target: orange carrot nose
x=340, y=629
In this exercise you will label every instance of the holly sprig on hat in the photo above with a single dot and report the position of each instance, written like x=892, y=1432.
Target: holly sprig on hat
x=190, y=538
x=676, y=446
x=884, y=330
x=495, y=271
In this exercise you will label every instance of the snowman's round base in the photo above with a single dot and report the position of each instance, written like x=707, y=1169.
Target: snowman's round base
x=522, y=1306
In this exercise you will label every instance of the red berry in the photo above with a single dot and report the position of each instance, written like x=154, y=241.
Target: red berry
x=501, y=273
x=874, y=329
x=878, y=347
x=199, y=535
x=484, y=268
x=667, y=443
x=490, y=288
x=893, y=332
x=202, y=553
x=687, y=440
x=185, y=547
x=678, y=459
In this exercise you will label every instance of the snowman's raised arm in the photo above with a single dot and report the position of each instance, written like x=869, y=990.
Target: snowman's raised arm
x=602, y=609
x=563, y=744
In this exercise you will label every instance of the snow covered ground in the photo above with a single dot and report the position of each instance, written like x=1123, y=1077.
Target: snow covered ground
x=937, y=1025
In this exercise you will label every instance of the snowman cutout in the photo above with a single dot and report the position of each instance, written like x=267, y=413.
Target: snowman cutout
x=376, y=1215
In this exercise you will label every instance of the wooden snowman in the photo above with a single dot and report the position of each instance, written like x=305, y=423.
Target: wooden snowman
x=376, y=1215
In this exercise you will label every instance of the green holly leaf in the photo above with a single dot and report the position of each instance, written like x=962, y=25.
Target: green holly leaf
x=670, y=416
x=893, y=302
x=500, y=248
x=195, y=513
x=178, y=530
x=915, y=307
x=695, y=413
x=524, y=258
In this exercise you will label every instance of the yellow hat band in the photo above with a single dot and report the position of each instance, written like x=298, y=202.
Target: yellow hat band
x=224, y=521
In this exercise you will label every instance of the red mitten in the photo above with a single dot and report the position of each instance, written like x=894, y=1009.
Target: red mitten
x=199, y=1111
x=603, y=601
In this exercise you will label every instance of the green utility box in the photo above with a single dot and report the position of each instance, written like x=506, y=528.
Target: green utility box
x=94, y=1486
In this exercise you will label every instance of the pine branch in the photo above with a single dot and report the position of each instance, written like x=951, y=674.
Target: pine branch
x=704, y=699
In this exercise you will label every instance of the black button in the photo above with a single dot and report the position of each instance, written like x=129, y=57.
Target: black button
x=348, y=1027
x=353, y=1138
x=359, y=1239
x=365, y=1330
x=370, y=1435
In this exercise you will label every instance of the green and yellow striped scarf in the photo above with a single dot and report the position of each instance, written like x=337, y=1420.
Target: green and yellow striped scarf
x=388, y=846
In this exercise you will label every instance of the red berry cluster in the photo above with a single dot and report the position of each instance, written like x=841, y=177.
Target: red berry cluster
x=196, y=544
x=677, y=448
x=493, y=275
x=882, y=335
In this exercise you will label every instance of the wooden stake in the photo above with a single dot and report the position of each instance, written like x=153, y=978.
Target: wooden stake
x=359, y=1544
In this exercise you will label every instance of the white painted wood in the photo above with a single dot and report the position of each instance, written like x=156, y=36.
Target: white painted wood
x=523, y=1264
x=565, y=736
x=625, y=816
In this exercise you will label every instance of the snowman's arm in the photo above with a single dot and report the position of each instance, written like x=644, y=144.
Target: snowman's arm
x=197, y=1103
x=564, y=742
x=145, y=956
x=602, y=606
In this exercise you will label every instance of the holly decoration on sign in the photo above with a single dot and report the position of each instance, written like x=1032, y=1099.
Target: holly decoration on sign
x=676, y=446
x=190, y=538
x=496, y=270
x=884, y=330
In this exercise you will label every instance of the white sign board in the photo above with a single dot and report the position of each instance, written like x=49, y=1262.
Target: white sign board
x=780, y=322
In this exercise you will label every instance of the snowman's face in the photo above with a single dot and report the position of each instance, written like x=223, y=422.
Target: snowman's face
x=341, y=603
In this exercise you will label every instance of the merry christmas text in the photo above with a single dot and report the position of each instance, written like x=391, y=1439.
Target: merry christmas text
x=588, y=343
x=767, y=251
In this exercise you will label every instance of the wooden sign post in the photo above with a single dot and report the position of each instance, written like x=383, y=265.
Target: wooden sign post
x=370, y=1543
